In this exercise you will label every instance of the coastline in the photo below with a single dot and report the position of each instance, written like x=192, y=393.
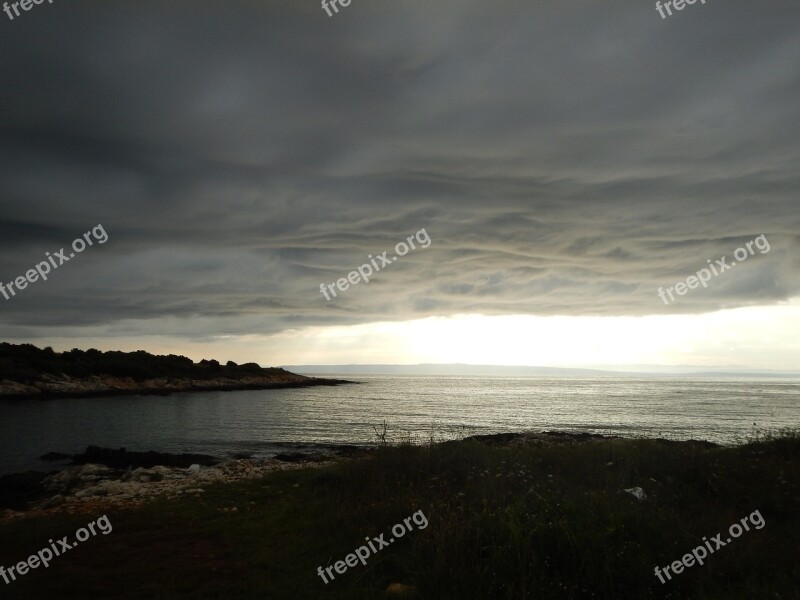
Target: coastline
x=107, y=478
x=103, y=478
x=56, y=388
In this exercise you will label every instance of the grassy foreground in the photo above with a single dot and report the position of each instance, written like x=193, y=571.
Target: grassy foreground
x=504, y=522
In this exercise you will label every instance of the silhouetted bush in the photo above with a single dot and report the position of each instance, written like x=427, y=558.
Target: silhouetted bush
x=26, y=363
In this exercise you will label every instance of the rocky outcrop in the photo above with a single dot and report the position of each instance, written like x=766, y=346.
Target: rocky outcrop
x=543, y=438
x=132, y=478
x=122, y=459
x=13, y=389
x=90, y=487
x=564, y=438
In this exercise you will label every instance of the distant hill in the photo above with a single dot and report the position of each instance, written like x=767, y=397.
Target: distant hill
x=523, y=371
x=444, y=369
x=28, y=371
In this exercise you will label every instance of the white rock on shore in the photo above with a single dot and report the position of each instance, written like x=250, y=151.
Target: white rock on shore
x=75, y=487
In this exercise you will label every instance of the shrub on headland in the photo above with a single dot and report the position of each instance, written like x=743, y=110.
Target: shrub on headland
x=27, y=363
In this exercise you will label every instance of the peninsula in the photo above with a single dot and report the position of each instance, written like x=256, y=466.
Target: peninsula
x=30, y=372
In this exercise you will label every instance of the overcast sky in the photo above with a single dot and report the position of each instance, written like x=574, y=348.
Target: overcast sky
x=566, y=159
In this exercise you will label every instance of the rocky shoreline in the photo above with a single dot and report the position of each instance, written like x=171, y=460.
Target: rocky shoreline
x=50, y=387
x=566, y=438
x=91, y=486
x=100, y=478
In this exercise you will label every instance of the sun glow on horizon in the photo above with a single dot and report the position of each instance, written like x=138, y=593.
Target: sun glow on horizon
x=763, y=337
x=752, y=337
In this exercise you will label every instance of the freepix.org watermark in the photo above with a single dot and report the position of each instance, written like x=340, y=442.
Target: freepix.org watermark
x=26, y=5
x=43, y=268
x=365, y=271
x=699, y=553
x=344, y=3
x=362, y=553
x=676, y=4
x=45, y=555
x=703, y=276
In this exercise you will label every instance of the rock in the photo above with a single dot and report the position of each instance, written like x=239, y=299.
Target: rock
x=11, y=389
x=122, y=459
x=147, y=475
x=56, y=500
x=53, y=456
x=495, y=439
x=399, y=589
x=349, y=450
x=76, y=477
x=299, y=457
x=236, y=467
x=637, y=493
x=194, y=468
x=136, y=489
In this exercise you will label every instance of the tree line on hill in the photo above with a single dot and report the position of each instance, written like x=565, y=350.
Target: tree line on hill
x=26, y=363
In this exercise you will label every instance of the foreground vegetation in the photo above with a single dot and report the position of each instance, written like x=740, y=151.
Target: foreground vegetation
x=504, y=522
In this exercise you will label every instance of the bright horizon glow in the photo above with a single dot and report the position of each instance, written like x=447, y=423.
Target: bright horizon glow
x=753, y=337
x=745, y=338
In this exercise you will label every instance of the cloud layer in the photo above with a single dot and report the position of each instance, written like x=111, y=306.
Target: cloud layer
x=565, y=159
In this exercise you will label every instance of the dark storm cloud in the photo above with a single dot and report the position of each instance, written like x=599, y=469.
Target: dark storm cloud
x=565, y=158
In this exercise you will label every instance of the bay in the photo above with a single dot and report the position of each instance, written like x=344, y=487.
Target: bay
x=265, y=422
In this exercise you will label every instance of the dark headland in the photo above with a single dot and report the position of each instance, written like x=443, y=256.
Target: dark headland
x=30, y=372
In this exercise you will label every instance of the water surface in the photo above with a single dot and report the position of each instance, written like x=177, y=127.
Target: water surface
x=265, y=422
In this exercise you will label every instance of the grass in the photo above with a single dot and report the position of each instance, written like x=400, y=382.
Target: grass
x=504, y=522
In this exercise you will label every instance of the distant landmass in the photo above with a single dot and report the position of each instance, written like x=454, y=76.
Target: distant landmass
x=465, y=370
x=30, y=372
x=442, y=369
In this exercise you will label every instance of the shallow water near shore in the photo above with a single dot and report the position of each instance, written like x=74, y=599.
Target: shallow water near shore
x=266, y=422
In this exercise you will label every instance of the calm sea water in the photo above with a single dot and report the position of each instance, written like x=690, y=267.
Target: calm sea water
x=269, y=421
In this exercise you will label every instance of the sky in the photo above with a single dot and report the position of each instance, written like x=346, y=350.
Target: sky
x=565, y=161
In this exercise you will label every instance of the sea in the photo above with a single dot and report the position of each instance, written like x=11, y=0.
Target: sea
x=416, y=408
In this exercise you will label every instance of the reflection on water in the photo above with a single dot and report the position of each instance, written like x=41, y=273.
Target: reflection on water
x=263, y=422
